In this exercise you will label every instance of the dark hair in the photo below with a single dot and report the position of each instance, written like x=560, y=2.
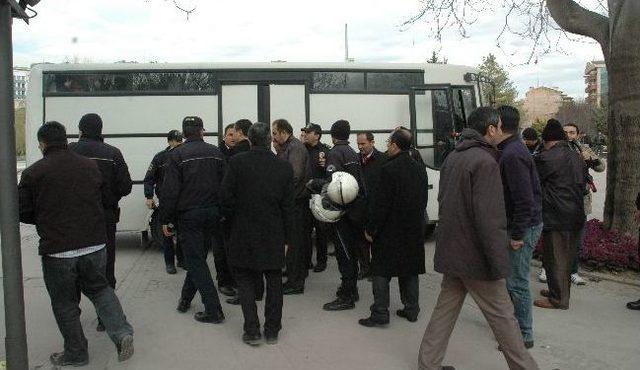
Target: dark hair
x=174, y=135
x=530, y=133
x=573, y=125
x=283, y=125
x=510, y=118
x=90, y=125
x=481, y=118
x=52, y=133
x=368, y=134
x=228, y=127
x=259, y=134
x=341, y=130
x=243, y=125
x=401, y=139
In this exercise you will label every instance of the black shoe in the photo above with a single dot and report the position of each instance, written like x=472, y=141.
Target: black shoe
x=180, y=264
x=634, y=305
x=290, y=290
x=447, y=368
x=320, y=267
x=340, y=304
x=310, y=266
x=227, y=290
x=370, y=322
x=125, y=348
x=403, y=313
x=211, y=318
x=271, y=338
x=100, y=326
x=183, y=306
x=61, y=359
x=234, y=300
x=355, y=295
x=171, y=270
x=528, y=344
x=251, y=339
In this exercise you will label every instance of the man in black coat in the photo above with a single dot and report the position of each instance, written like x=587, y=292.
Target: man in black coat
x=227, y=143
x=371, y=160
x=561, y=170
x=293, y=151
x=61, y=195
x=152, y=183
x=317, y=162
x=258, y=201
x=191, y=202
x=396, y=229
x=117, y=179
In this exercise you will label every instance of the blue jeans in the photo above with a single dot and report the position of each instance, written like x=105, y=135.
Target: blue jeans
x=518, y=284
x=62, y=277
x=576, y=261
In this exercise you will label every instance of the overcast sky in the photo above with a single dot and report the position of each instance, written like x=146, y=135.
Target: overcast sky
x=291, y=30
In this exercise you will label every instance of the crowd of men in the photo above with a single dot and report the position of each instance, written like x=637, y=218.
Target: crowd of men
x=250, y=204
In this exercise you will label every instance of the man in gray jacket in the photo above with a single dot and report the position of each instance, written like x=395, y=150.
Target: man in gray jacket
x=472, y=246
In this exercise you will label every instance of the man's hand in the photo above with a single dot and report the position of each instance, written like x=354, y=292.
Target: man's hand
x=516, y=244
x=368, y=237
x=150, y=203
x=167, y=231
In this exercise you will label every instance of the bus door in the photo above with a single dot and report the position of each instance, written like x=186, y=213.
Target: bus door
x=289, y=101
x=432, y=125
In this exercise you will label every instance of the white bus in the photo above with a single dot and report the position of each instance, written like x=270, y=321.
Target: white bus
x=140, y=103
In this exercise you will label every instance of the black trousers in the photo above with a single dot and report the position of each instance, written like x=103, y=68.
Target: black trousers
x=223, y=270
x=346, y=236
x=195, y=231
x=299, y=250
x=320, y=241
x=65, y=278
x=171, y=252
x=273, y=305
x=409, y=294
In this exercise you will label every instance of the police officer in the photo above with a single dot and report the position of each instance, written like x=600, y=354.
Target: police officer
x=349, y=228
x=116, y=177
x=190, y=189
x=317, y=162
x=153, y=181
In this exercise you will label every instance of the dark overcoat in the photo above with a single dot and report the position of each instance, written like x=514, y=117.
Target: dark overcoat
x=397, y=221
x=257, y=201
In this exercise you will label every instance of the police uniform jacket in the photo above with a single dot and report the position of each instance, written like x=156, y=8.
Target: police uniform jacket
x=61, y=195
x=342, y=157
x=192, y=178
x=155, y=174
x=316, y=170
x=110, y=161
x=257, y=201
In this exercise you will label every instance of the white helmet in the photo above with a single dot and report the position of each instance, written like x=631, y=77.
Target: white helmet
x=323, y=210
x=343, y=188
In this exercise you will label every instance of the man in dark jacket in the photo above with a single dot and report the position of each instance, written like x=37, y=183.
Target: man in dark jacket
x=371, y=160
x=293, y=151
x=227, y=144
x=561, y=171
x=191, y=202
x=396, y=229
x=472, y=245
x=241, y=142
x=152, y=182
x=348, y=230
x=258, y=200
x=115, y=174
x=317, y=165
x=522, y=197
x=61, y=195
x=530, y=139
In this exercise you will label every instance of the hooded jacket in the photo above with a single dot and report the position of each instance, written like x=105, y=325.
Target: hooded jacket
x=471, y=237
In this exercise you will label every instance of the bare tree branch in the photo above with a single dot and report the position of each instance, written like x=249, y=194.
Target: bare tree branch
x=575, y=19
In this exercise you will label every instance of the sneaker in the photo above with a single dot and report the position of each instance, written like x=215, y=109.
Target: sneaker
x=171, y=270
x=371, y=322
x=340, y=304
x=577, y=279
x=271, y=338
x=183, y=306
x=210, y=318
x=542, y=276
x=62, y=359
x=125, y=348
x=252, y=339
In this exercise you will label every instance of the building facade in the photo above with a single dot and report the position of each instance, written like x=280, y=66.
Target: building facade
x=597, y=81
x=542, y=103
x=20, y=84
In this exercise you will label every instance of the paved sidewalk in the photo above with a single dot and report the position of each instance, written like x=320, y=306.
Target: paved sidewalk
x=596, y=333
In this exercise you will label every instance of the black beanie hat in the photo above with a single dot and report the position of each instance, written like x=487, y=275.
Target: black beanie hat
x=90, y=125
x=530, y=133
x=553, y=131
x=341, y=130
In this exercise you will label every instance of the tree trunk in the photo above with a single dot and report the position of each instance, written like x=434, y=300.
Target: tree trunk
x=623, y=65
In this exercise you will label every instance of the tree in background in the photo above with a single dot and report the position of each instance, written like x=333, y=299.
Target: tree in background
x=501, y=91
x=614, y=25
x=435, y=58
x=580, y=113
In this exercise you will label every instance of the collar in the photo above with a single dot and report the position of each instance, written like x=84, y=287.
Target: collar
x=503, y=144
x=192, y=139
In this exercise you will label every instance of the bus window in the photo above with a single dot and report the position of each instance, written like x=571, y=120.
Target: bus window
x=463, y=104
x=434, y=128
x=338, y=81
